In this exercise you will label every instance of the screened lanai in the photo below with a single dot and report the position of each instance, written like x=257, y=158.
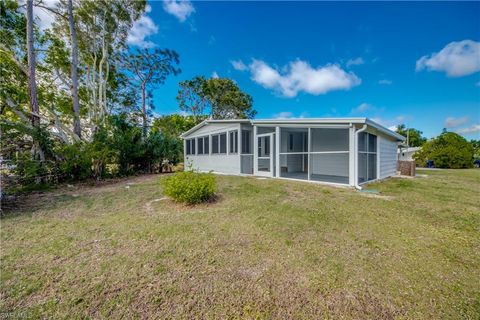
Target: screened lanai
x=347, y=151
x=318, y=154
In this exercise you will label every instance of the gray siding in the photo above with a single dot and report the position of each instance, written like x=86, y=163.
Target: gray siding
x=223, y=163
x=388, y=157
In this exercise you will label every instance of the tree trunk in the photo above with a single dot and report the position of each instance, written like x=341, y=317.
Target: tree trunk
x=144, y=110
x=74, y=72
x=37, y=151
x=32, y=83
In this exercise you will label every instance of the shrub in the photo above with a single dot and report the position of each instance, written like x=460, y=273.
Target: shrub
x=75, y=163
x=448, y=150
x=190, y=187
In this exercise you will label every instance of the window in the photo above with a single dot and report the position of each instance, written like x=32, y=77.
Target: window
x=202, y=145
x=223, y=143
x=190, y=146
x=246, y=142
x=219, y=143
x=215, y=144
x=233, y=136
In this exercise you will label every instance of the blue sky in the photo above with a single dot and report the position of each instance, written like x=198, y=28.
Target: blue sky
x=412, y=63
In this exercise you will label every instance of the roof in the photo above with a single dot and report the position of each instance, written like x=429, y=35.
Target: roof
x=306, y=121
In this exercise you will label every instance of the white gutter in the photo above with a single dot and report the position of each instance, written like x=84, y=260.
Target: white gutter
x=356, y=156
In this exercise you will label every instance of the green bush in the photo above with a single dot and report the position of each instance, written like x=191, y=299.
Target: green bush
x=190, y=187
x=75, y=163
x=448, y=150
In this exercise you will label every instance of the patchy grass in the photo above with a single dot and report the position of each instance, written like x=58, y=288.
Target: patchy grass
x=266, y=249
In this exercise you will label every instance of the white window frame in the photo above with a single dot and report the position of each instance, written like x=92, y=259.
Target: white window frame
x=202, y=138
x=219, y=143
x=235, y=141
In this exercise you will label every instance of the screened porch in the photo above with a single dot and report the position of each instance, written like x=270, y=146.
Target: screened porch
x=316, y=154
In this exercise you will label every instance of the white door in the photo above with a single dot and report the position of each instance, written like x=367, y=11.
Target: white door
x=265, y=155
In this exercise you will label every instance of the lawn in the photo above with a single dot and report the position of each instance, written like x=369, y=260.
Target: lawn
x=267, y=248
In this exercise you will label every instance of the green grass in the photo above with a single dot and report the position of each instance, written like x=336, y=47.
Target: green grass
x=266, y=249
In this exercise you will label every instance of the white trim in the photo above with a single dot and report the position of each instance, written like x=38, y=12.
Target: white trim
x=356, y=154
x=277, y=151
x=351, y=156
x=255, y=150
x=309, y=147
x=269, y=173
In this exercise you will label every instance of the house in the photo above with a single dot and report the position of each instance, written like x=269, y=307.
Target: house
x=344, y=151
x=406, y=154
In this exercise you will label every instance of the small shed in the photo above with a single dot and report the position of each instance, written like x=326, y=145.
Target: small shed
x=344, y=151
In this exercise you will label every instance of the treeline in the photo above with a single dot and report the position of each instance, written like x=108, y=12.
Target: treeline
x=77, y=101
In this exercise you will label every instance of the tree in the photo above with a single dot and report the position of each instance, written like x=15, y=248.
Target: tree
x=150, y=68
x=221, y=96
x=191, y=97
x=74, y=72
x=448, y=150
x=32, y=83
x=227, y=101
x=476, y=148
x=415, y=138
x=175, y=124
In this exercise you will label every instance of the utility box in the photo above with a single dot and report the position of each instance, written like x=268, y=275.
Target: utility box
x=406, y=168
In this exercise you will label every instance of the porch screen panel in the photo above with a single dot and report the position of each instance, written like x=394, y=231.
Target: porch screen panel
x=205, y=145
x=367, y=157
x=264, y=165
x=294, y=153
x=329, y=167
x=200, y=145
x=223, y=143
x=247, y=142
x=215, y=144
x=329, y=155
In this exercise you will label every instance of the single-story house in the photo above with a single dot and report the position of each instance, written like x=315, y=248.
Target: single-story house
x=406, y=154
x=345, y=151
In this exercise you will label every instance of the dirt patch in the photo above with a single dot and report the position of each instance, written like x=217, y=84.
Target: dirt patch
x=376, y=196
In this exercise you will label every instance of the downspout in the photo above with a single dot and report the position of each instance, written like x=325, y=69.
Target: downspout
x=356, y=156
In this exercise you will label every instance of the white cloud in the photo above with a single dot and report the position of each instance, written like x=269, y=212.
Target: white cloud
x=283, y=115
x=211, y=40
x=289, y=115
x=239, y=65
x=393, y=128
x=385, y=82
x=179, y=8
x=452, y=122
x=355, y=62
x=215, y=75
x=141, y=29
x=299, y=76
x=362, y=108
x=391, y=124
x=473, y=129
x=456, y=59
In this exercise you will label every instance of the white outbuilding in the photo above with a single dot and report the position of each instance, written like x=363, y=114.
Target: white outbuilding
x=344, y=151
